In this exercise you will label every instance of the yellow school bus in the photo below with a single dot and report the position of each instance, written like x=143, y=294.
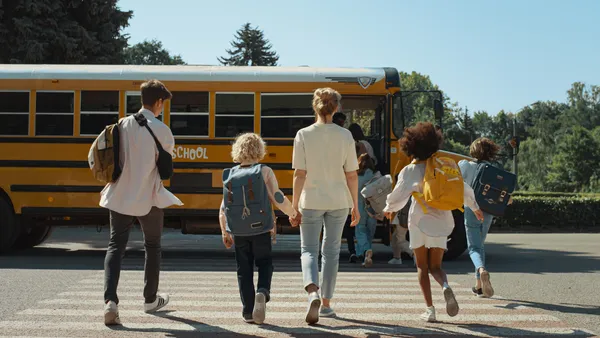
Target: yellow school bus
x=50, y=115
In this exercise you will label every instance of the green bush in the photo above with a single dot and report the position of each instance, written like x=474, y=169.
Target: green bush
x=575, y=212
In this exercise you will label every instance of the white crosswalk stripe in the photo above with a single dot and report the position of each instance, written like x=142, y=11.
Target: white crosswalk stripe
x=204, y=303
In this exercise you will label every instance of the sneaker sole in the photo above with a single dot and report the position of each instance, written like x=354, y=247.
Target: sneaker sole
x=312, y=316
x=260, y=308
x=488, y=290
x=111, y=318
x=451, y=304
x=369, y=259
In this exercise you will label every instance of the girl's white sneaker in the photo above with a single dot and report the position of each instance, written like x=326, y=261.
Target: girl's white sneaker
x=429, y=315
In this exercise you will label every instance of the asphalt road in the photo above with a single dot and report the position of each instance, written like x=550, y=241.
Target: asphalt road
x=545, y=284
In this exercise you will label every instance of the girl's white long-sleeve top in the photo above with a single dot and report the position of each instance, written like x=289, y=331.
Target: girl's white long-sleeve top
x=434, y=223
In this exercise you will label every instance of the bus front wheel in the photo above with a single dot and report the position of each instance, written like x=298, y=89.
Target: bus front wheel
x=9, y=225
x=457, y=241
x=33, y=237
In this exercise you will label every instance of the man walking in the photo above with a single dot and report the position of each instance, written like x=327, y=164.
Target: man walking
x=138, y=193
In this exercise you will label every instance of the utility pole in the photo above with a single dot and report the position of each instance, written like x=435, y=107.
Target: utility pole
x=515, y=164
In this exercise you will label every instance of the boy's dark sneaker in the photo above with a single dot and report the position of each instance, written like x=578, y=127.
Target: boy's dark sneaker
x=248, y=317
x=477, y=292
x=353, y=258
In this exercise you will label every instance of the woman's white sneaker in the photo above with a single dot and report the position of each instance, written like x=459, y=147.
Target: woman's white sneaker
x=111, y=314
x=395, y=261
x=161, y=301
x=314, y=303
x=429, y=315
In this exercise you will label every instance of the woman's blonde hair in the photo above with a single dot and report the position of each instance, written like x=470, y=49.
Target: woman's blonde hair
x=325, y=101
x=484, y=149
x=248, y=147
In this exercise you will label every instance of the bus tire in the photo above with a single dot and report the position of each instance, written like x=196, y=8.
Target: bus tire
x=33, y=237
x=457, y=241
x=9, y=224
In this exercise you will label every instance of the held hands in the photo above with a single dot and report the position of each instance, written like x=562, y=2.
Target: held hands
x=227, y=240
x=355, y=217
x=295, y=221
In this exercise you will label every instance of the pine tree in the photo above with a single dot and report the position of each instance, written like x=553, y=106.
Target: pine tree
x=250, y=48
x=62, y=31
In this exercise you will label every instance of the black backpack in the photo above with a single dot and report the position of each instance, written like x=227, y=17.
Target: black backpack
x=493, y=187
x=165, y=160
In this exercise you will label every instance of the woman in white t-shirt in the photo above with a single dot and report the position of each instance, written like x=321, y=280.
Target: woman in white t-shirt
x=325, y=188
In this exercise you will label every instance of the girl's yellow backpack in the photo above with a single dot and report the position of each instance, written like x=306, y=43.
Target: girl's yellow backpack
x=443, y=186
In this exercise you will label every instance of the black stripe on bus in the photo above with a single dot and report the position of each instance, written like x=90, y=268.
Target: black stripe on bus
x=98, y=188
x=84, y=164
x=88, y=140
x=55, y=211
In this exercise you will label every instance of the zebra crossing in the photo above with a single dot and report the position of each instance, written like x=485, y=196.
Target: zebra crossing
x=205, y=302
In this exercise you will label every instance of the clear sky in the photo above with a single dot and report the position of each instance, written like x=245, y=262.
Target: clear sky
x=486, y=54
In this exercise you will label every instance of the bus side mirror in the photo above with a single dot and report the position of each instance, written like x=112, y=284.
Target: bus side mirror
x=438, y=109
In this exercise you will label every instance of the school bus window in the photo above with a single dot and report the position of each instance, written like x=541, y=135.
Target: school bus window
x=14, y=113
x=282, y=115
x=189, y=114
x=98, y=109
x=133, y=102
x=234, y=114
x=54, y=113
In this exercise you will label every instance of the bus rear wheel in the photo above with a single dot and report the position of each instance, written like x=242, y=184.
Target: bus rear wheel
x=33, y=237
x=9, y=225
x=457, y=241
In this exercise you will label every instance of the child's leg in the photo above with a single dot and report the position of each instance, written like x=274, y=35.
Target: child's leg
x=245, y=272
x=422, y=259
x=361, y=238
x=371, y=227
x=435, y=265
x=261, y=249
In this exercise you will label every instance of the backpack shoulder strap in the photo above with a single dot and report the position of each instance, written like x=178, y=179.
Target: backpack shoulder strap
x=143, y=122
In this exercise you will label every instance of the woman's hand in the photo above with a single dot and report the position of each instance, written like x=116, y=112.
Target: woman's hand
x=355, y=217
x=389, y=215
x=296, y=221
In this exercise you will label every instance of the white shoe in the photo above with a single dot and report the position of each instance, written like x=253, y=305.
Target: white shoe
x=395, y=261
x=451, y=303
x=368, y=259
x=111, y=314
x=260, y=308
x=429, y=315
x=314, y=303
x=161, y=301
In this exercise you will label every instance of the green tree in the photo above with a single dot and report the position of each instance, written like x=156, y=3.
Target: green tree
x=483, y=124
x=576, y=161
x=150, y=53
x=250, y=48
x=62, y=31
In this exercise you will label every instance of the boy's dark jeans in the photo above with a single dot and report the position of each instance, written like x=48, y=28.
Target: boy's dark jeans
x=250, y=250
x=348, y=234
x=120, y=226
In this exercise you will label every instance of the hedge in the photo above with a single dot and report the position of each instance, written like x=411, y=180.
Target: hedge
x=553, y=194
x=555, y=213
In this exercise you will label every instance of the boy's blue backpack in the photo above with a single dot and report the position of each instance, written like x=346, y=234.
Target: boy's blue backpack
x=247, y=206
x=493, y=187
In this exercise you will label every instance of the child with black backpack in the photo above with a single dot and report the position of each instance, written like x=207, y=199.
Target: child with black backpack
x=247, y=221
x=492, y=187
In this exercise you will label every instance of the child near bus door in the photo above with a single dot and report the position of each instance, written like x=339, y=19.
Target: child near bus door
x=238, y=220
x=428, y=232
x=365, y=229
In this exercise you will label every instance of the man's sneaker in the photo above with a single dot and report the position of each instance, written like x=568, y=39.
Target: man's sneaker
x=395, y=261
x=111, y=314
x=368, y=259
x=451, y=304
x=314, y=303
x=488, y=290
x=248, y=317
x=326, y=312
x=353, y=258
x=477, y=292
x=429, y=315
x=260, y=308
x=161, y=301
